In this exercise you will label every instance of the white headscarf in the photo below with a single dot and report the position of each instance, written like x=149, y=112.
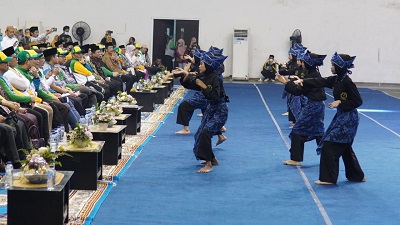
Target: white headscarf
x=129, y=51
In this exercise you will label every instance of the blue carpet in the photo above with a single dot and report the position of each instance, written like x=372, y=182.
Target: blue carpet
x=251, y=186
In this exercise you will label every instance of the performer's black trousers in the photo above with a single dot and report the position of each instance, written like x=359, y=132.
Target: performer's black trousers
x=329, y=162
x=297, y=146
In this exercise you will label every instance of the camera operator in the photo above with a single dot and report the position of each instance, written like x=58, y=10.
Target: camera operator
x=36, y=38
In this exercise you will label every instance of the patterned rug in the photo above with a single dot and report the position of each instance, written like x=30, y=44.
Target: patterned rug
x=84, y=204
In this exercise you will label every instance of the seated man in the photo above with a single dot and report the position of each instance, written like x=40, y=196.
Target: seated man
x=111, y=78
x=82, y=75
x=17, y=88
x=9, y=111
x=35, y=38
x=110, y=58
x=51, y=73
x=8, y=149
x=9, y=39
x=71, y=83
x=140, y=69
x=60, y=110
x=7, y=133
x=99, y=80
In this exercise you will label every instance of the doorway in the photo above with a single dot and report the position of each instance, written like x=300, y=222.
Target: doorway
x=179, y=29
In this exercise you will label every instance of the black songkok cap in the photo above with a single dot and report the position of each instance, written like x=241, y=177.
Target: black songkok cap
x=49, y=52
x=9, y=51
x=94, y=47
x=109, y=44
x=33, y=29
x=85, y=48
x=58, y=43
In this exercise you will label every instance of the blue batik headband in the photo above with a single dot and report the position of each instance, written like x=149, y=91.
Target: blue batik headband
x=313, y=61
x=197, y=54
x=214, y=61
x=215, y=50
x=337, y=60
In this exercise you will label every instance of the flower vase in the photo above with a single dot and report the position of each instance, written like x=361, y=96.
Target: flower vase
x=80, y=143
x=102, y=126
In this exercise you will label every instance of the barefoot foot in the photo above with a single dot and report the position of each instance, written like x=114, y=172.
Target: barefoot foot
x=200, y=114
x=291, y=163
x=207, y=168
x=223, y=129
x=323, y=182
x=221, y=138
x=362, y=180
x=183, y=131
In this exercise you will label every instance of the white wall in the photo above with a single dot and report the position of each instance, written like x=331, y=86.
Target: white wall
x=365, y=28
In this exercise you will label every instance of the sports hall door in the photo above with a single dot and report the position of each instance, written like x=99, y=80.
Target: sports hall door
x=185, y=29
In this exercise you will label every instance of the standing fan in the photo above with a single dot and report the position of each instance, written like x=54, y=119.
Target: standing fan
x=296, y=37
x=81, y=31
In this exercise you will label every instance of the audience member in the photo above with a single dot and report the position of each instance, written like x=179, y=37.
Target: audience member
x=9, y=39
x=169, y=53
x=65, y=36
x=108, y=39
x=180, y=51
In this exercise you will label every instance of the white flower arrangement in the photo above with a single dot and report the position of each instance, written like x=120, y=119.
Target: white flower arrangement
x=112, y=106
x=146, y=84
x=158, y=78
x=125, y=97
x=101, y=115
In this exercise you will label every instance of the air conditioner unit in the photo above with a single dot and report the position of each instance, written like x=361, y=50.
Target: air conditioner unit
x=240, y=56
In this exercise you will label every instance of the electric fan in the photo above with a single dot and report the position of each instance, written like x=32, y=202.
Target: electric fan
x=296, y=37
x=81, y=31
